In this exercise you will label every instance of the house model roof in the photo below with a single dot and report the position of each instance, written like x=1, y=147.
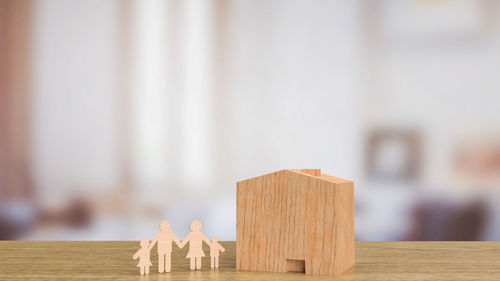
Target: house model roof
x=316, y=173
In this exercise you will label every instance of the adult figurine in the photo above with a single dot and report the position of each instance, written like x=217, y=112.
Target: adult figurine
x=195, y=239
x=164, y=237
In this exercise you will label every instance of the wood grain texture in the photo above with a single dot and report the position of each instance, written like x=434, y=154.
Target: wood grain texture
x=409, y=261
x=295, y=220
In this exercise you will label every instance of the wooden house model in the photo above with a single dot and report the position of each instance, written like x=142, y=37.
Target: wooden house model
x=295, y=220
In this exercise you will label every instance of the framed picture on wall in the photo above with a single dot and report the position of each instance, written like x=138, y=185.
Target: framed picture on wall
x=393, y=155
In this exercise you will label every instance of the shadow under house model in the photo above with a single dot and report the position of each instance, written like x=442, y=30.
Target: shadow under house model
x=295, y=220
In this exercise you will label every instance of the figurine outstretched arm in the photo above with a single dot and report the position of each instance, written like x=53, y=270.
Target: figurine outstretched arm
x=185, y=241
x=177, y=242
x=206, y=240
x=153, y=242
x=136, y=255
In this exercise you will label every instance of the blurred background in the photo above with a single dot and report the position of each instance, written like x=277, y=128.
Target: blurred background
x=115, y=115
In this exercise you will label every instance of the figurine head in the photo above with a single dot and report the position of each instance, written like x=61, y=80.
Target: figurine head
x=164, y=225
x=195, y=225
x=144, y=243
x=214, y=239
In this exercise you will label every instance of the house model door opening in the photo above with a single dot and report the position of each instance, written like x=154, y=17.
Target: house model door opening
x=296, y=266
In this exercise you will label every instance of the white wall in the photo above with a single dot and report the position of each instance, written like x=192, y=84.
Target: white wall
x=74, y=98
x=293, y=87
x=276, y=84
x=284, y=95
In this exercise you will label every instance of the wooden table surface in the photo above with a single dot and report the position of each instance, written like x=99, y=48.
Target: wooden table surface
x=25, y=260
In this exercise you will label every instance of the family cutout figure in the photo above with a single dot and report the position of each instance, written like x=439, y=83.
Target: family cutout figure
x=143, y=255
x=164, y=239
x=195, y=239
x=215, y=247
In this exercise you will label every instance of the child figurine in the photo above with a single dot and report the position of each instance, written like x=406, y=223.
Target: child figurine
x=143, y=255
x=215, y=247
x=195, y=239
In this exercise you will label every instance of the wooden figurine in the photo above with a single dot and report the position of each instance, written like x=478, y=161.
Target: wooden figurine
x=295, y=220
x=215, y=248
x=195, y=239
x=164, y=237
x=143, y=255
